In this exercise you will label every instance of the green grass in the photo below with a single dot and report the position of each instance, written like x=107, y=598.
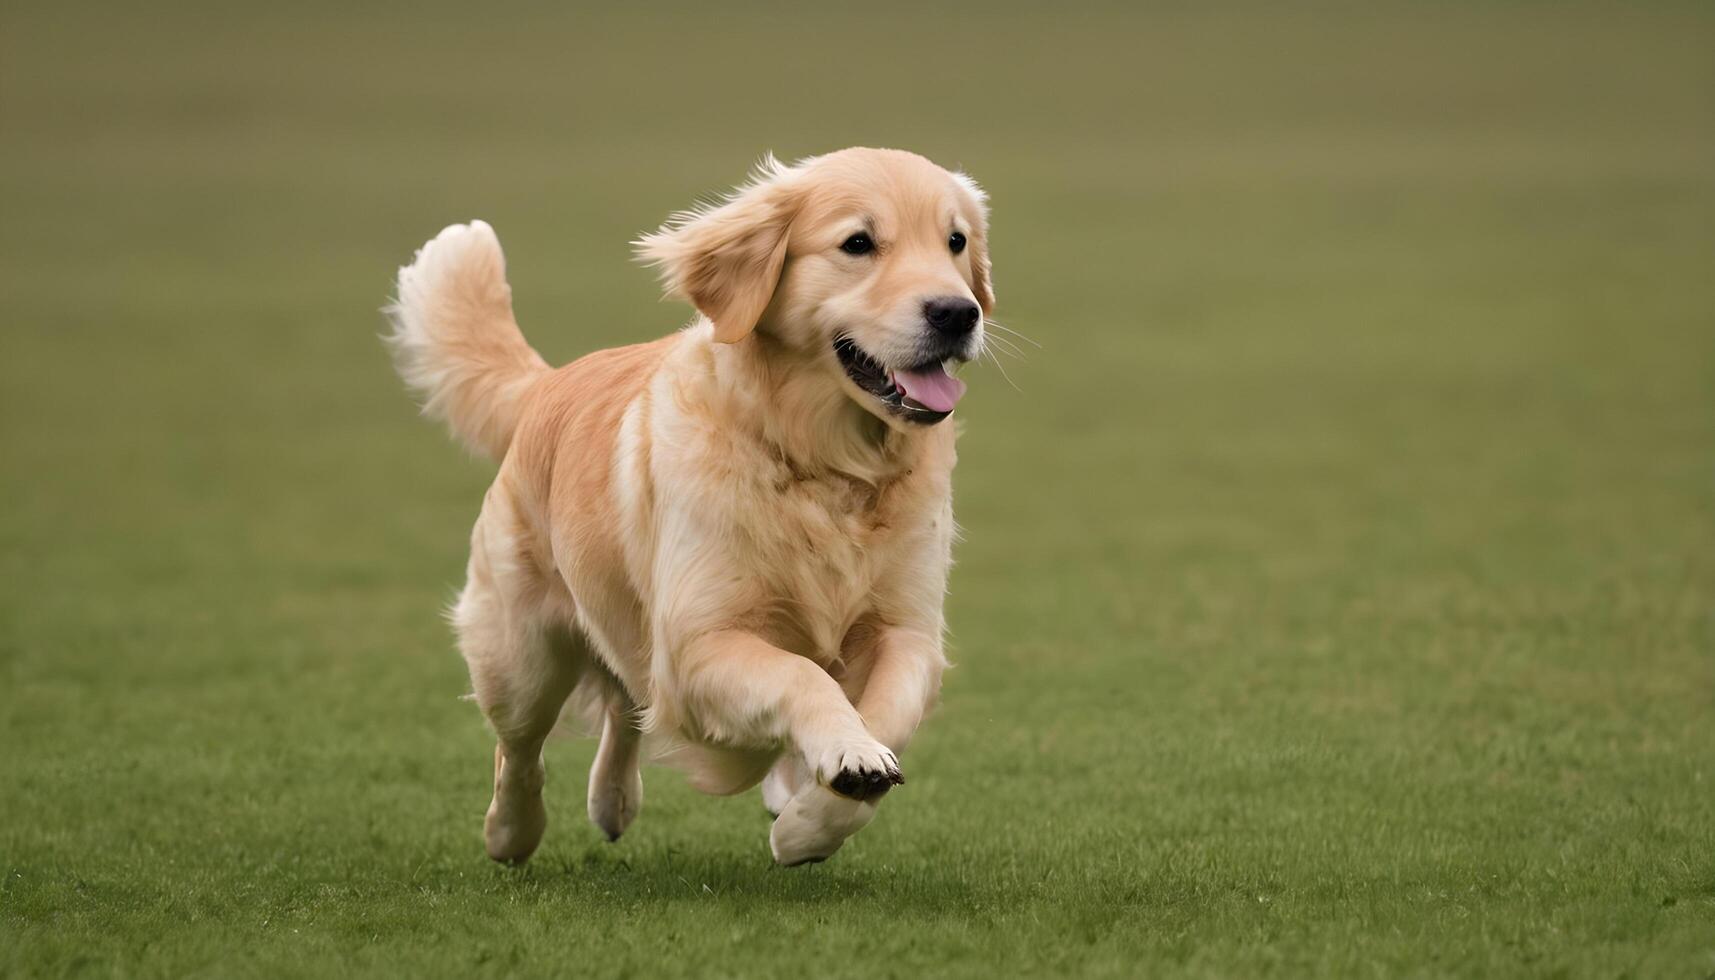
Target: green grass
x=1336, y=596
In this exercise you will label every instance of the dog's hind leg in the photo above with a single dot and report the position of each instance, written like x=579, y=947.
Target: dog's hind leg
x=522, y=668
x=616, y=782
x=521, y=681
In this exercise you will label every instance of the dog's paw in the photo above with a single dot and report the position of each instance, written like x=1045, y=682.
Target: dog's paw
x=815, y=824
x=614, y=801
x=860, y=770
x=517, y=817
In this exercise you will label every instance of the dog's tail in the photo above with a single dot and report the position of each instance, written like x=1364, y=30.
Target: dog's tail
x=454, y=339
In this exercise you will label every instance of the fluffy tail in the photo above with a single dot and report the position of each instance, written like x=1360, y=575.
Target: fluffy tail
x=454, y=339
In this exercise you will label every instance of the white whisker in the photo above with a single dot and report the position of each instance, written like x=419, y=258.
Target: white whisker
x=1002, y=368
x=1006, y=346
x=1015, y=333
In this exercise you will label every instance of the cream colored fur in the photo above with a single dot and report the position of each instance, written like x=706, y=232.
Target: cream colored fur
x=455, y=342
x=717, y=538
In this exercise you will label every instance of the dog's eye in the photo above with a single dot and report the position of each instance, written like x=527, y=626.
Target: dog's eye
x=956, y=242
x=858, y=244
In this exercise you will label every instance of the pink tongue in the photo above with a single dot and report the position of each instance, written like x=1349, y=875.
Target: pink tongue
x=934, y=389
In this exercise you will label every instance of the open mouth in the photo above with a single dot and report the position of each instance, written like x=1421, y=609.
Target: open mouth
x=924, y=394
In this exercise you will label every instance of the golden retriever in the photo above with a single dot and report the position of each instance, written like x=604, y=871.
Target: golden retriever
x=736, y=538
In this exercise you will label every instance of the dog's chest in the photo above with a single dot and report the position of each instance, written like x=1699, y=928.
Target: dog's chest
x=823, y=547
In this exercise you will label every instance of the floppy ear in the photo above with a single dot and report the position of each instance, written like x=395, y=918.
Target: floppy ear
x=982, y=282
x=726, y=259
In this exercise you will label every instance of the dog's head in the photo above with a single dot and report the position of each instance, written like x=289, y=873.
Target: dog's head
x=870, y=265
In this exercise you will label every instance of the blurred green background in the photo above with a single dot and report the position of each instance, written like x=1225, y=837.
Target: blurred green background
x=1336, y=592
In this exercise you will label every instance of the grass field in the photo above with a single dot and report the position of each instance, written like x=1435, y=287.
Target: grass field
x=1336, y=596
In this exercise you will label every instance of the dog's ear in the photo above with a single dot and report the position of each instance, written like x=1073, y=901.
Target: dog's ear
x=727, y=259
x=982, y=281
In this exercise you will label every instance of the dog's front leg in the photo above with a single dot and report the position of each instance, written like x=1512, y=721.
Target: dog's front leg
x=739, y=689
x=735, y=687
x=904, y=681
x=895, y=681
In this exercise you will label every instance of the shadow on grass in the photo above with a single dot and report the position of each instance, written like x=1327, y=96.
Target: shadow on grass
x=602, y=874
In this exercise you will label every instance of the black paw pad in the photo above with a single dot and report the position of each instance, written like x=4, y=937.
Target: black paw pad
x=865, y=784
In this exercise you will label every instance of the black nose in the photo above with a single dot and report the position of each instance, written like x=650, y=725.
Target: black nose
x=951, y=315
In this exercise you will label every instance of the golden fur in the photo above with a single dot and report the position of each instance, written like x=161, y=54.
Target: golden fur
x=716, y=538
